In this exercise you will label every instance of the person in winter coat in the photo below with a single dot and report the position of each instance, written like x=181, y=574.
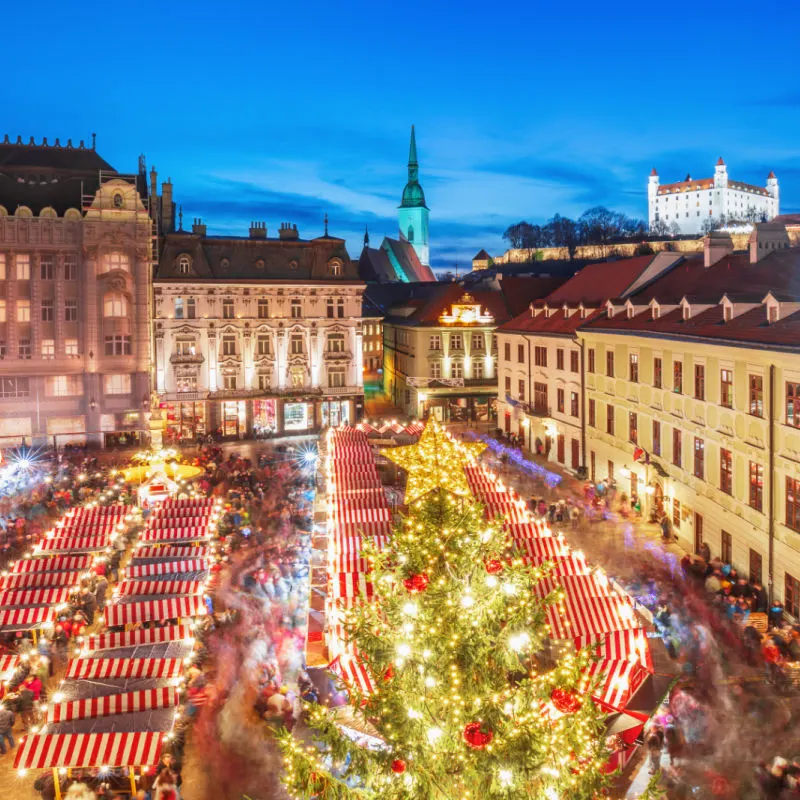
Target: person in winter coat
x=100, y=593
x=6, y=726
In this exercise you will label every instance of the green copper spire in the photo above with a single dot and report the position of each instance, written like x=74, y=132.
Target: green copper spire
x=413, y=196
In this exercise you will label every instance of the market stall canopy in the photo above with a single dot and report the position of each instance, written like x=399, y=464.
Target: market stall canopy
x=162, y=587
x=45, y=751
x=91, y=544
x=167, y=568
x=52, y=564
x=171, y=551
x=108, y=705
x=147, y=610
x=110, y=641
x=40, y=580
x=26, y=619
x=34, y=597
x=124, y=668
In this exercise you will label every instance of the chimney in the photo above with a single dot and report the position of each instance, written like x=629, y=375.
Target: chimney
x=258, y=230
x=198, y=227
x=716, y=246
x=154, y=195
x=765, y=238
x=288, y=232
x=167, y=207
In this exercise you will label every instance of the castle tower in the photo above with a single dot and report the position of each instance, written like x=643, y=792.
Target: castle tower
x=774, y=192
x=652, y=195
x=413, y=213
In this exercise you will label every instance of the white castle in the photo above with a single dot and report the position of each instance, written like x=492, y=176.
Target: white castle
x=689, y=203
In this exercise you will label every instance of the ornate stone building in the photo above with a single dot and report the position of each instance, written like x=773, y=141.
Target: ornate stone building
x=76, y=254
x=257, y=335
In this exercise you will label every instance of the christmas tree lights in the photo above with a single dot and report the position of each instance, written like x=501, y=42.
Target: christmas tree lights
x=469, y=700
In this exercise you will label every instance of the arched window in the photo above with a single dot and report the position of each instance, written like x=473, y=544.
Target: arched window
x=335, y=267
x=184, y=264
x=410, y=233
x=117, y=261
x=117, y=200
x=115, y=304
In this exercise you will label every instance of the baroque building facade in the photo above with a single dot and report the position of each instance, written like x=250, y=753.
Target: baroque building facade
x=76, y=255
x=256, y=336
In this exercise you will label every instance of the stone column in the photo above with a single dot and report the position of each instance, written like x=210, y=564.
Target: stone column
x=36, y=305
x=11, y=308
x=88, y=313
x=59, y=309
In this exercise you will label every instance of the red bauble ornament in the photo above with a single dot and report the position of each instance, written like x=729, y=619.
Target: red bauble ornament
x=493, y=566
x=475, y=737
x=398, y=766
x=416, y=583
x=566, y=701
x=389, y=673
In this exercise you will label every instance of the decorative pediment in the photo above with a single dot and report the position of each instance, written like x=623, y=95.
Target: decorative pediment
x=466, y=312
x=298, y=359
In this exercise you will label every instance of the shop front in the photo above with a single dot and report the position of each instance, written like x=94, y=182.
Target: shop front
x=298, y=416
x=185, y=421
x=265, y=417
x=233, y=419
x=335, y=412
x=469, y=408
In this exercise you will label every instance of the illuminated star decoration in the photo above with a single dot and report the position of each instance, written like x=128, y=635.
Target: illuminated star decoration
x=435, y=461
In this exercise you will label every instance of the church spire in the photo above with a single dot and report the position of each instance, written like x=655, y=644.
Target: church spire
x=413, y=196
x=413, y=164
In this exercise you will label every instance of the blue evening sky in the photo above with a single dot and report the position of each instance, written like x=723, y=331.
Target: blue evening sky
x=282, y=111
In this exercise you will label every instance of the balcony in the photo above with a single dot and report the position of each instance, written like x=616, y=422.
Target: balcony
x=488, y=382
x=338, y=355
x=235, y=394
x=336, y=391
x=186, y=358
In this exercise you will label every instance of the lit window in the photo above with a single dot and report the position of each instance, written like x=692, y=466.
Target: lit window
x=184, y=264
x=23, y=310
x=115, y=304
x=2, y=266
x=336, y=343
x=263, y=308
x=23, y=261
x=117, y=384
x=179, y=308
x=2, y=310
x=227, y=308
x=117, y=261
x=48, y=348
x=297, y=309
x=63, y=385
x=296, y=346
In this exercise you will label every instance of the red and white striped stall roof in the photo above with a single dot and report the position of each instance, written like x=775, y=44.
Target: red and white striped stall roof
x=40, y=580
x=352, y=584
x=175, y=534
x=162, y=587
x=147, y=610
x=34, y=597
x=374, y=528
x=124, y=668
x=361, y=498
x=167, y=568
x=8, y=666
x=187, y=502
x=171, y=551
x=576, y=586
x=49, y=750
x=531, y=529
x=169, y=633
x=631, y=645
x=617, y=682
x=573, y=564
x=28, y=618
x=546, y=547
x=93, y=543
x=357, y=482
x=362, y=514
x=585, y=615
x=52, y=564
x=109, y=705
x=352, y=672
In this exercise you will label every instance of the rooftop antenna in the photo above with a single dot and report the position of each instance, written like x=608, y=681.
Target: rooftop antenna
x=180, y=217
x=326, y=224
x=94, y=140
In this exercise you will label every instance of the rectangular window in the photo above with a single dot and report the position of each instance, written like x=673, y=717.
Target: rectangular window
x=71, y=311
x=610, y=468
x=435, y=342
x=559, y=358
x=71, y=348
x=610, y=419
x=336, y=343
x=477, y=368
x=676, y=513
x=340, y=308
x=658, y=375
x=262, y=345
x=793, y=404
x=521, y=389
x=23, y=262
x=591, y=360
x=297, y=309
x=520, y=354
x=656, y=438
x=229, y=381
x=507, y=381
x=793, y=503
x=336, y=376
x=756, y=485
x=756, y=395
x=70, y=267
x=726, y=471
x=560, y=400
x=610, y=363
x=726, y=547
x=699, y=458
x=540, y=356
x=573, y=404
x=14, y=387
x=726, y=388
x=179, y=309
x=478, y=343
x=118, y=346
x=263, y=308
x=436, y=372
x=633, y=426
x=677, y=446
x=540, y=398
x=791, y=595
x=2, y=266
x=48, y=348
x=264, y=382
x=227, y=309
x=457, y=369
x=331, y=308
x=117, y=384
x=297, y=344
x=229, y=345
x=699, y=382
x=592, y=413
x=573, y=361
x=47, y=268
x=634, y=367
x=190, y=308
x=62, y=385
x=456, y=341
x=2, y=310
x=677, y=377
x=506, y=351
x=23, y=310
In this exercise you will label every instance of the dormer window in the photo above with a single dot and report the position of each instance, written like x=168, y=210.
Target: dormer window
x=772, y=314
x=117, y=200
x=655, y=312
x=630, y=312
x=727, y=313
x=224, y=263
x=687, y=313
x=335, y=267
x=184, y=264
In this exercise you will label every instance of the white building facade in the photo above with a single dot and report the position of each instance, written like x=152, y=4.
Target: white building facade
x=690, y=206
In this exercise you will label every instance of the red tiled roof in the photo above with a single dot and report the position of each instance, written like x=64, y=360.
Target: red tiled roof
x=596, y=283
x=720, y=162
x=686, y=186
x=558, y=323
x=520, y=292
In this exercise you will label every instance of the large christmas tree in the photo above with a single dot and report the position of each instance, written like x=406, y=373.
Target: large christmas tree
x=469, y=700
